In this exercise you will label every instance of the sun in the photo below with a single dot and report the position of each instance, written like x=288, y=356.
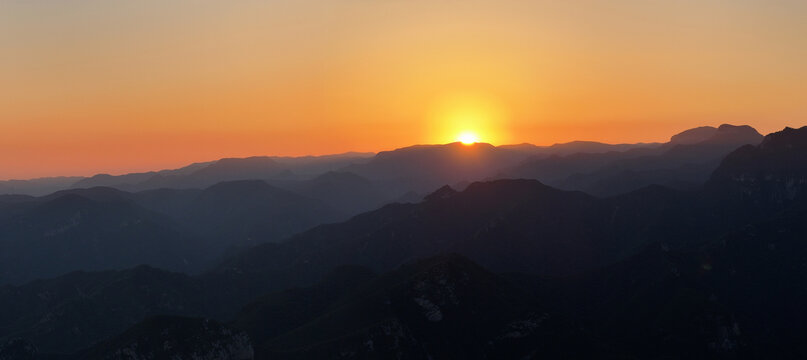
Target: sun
x=467, y=138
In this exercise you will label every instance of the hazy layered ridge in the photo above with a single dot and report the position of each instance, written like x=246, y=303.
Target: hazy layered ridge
x=685, y=162
x=421, y=168
x=181, y=230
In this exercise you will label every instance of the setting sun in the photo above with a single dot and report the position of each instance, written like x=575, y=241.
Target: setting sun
x=468, y=117
x=468, y=138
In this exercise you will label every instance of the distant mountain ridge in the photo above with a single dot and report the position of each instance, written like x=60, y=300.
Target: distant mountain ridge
x=201, y=175
x=574, y=147
x=422, y=179
x=685, y=162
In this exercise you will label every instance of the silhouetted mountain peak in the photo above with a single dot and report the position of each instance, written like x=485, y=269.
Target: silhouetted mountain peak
x=723, y=134
x=788, y=138
x=453, y=148
x=441, y=193
x=775, y=170
x=694, y=135
x=734, y=134
x=730, y=127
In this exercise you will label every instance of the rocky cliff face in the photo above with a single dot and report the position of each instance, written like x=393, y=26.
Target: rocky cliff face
x=775, y=171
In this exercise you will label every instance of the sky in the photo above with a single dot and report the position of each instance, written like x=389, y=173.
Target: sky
x=98, y=86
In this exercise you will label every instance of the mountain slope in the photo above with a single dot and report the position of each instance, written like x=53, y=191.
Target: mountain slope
x=440, y=307
x=69, y=232
x=67, y=313
x=506, y=225
x=773, y=172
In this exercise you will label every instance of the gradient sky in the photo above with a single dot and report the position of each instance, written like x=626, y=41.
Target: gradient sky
x=91, y=86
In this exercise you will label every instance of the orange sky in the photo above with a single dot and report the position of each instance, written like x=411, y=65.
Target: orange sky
x=91, y=86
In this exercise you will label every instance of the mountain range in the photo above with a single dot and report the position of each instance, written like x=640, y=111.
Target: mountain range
x=422, y=168
x=501, y=268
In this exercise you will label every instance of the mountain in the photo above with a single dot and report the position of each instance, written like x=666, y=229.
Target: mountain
x=732, y=296
x=775, y=171
x=514, y=225
x=427, y=167
x=693, y=136
x=540, y=272
x=423, y=168
x=685, y=163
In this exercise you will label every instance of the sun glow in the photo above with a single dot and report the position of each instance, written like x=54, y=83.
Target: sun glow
x=467, y=138
x=468, y=118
